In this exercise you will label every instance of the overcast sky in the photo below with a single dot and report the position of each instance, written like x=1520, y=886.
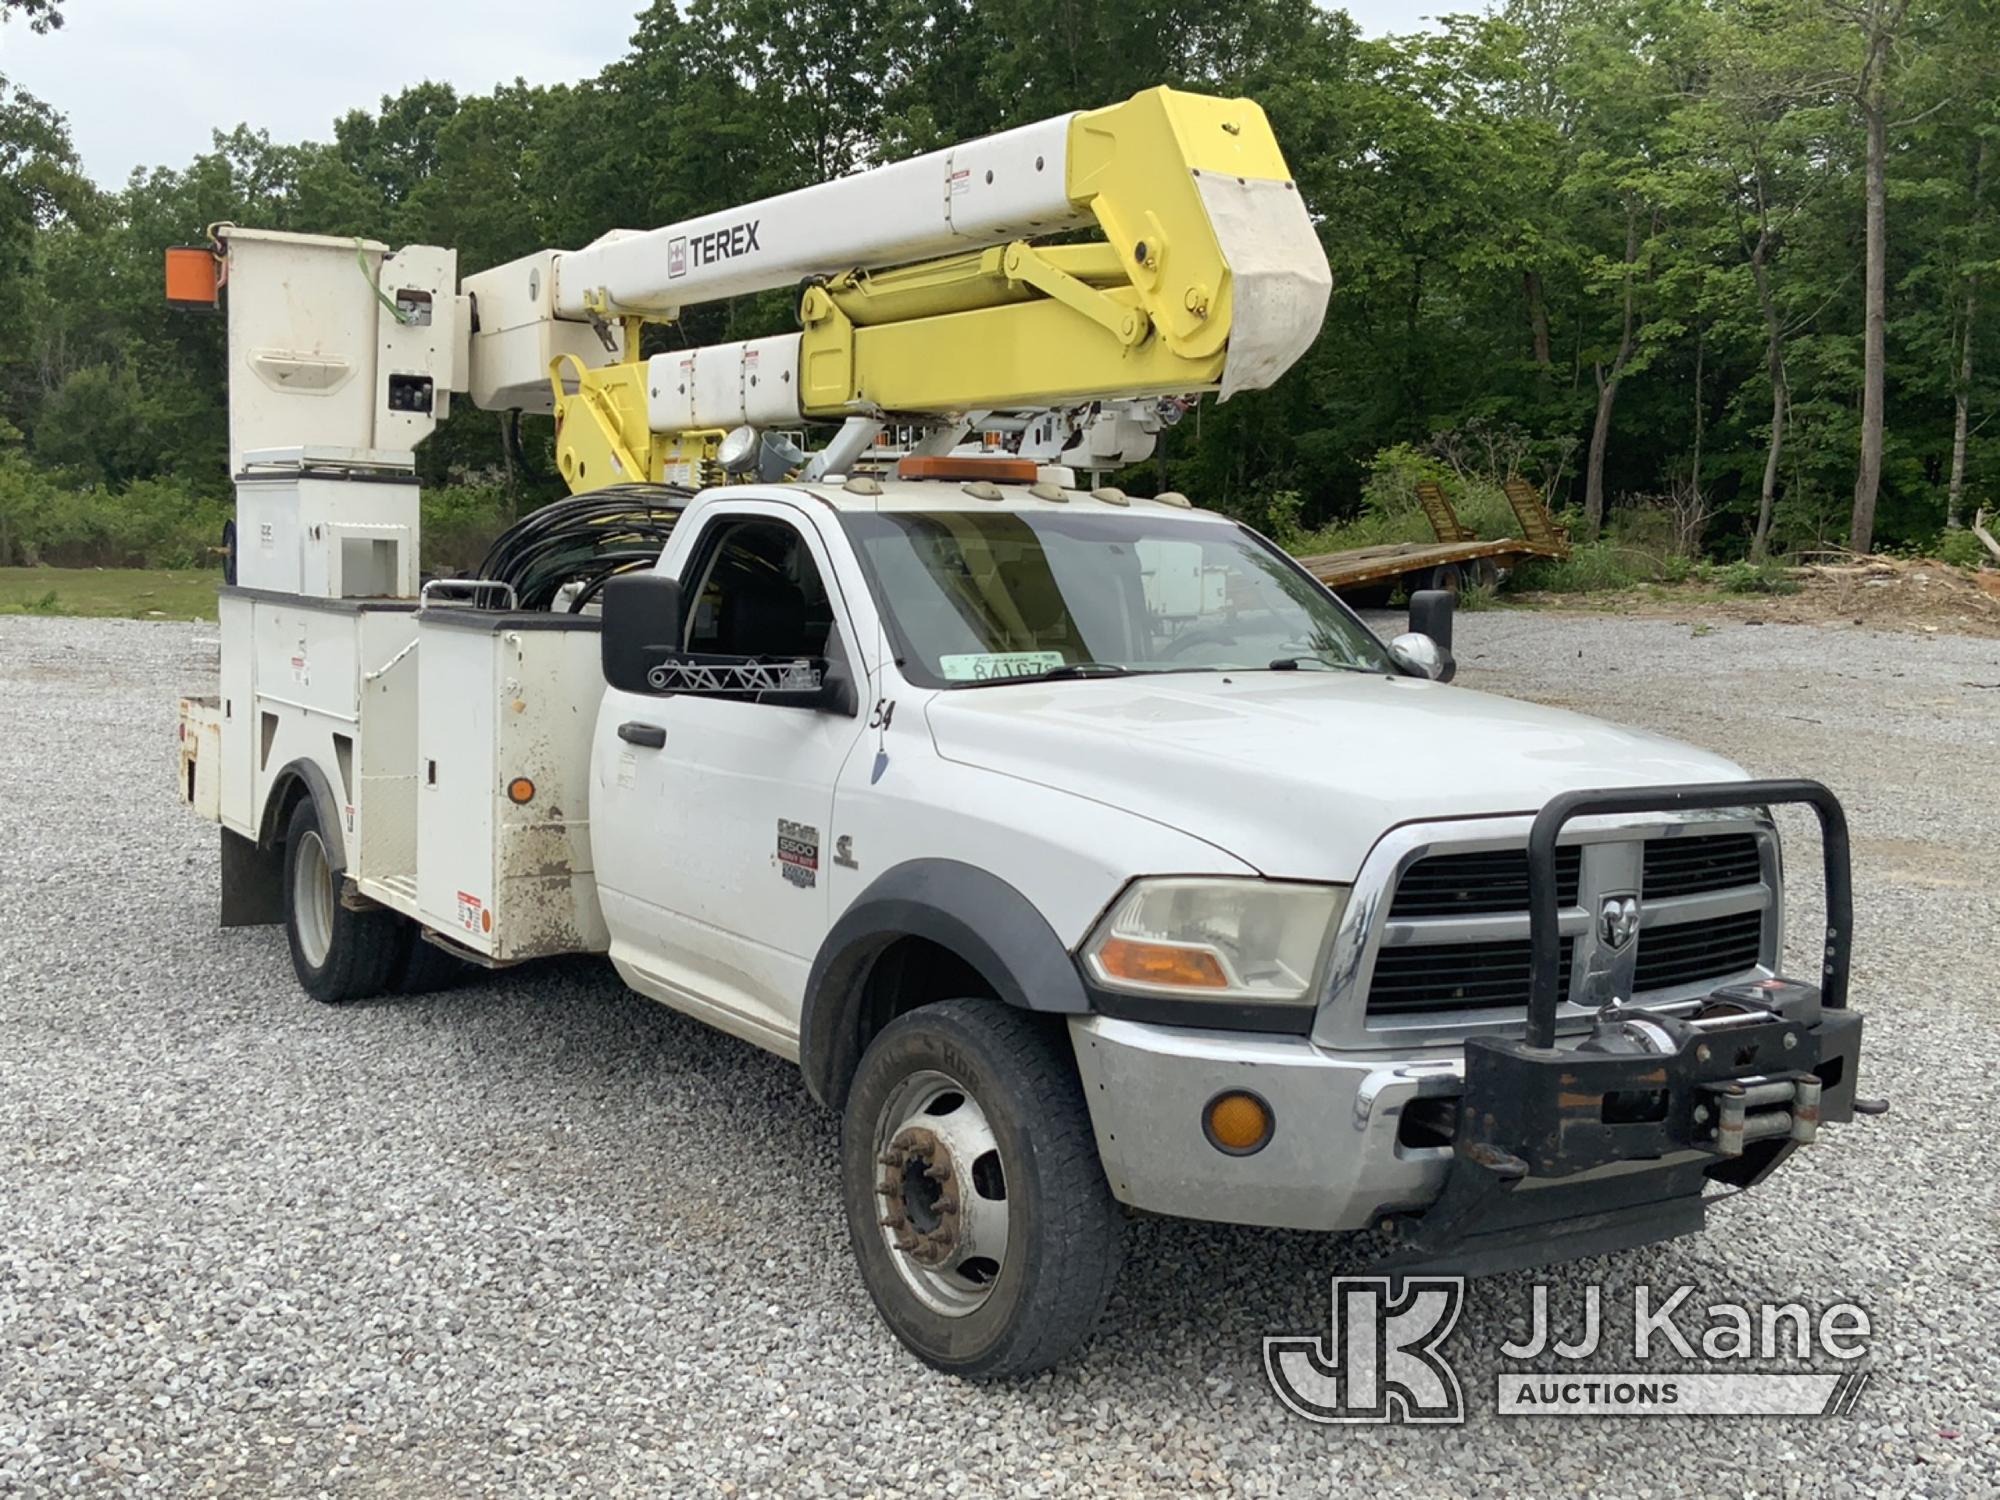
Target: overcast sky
x=143, y=82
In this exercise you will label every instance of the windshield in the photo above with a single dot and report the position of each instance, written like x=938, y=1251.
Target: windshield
x=971, y=597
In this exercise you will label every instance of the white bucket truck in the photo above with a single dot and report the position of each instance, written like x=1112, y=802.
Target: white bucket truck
x=1085, y=854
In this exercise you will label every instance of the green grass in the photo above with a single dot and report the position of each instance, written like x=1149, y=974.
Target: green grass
x=133, y=593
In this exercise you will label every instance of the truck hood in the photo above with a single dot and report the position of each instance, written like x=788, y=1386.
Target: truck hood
x=1299, y=773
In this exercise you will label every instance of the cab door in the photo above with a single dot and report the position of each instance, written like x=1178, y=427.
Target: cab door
x=713, y=870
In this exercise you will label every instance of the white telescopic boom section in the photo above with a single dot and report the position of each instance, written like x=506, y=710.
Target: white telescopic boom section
x=985, y=192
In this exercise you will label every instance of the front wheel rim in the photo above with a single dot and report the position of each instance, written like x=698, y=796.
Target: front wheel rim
x=312, y=898
x=941, y=1193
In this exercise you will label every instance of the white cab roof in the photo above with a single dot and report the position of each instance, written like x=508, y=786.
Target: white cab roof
x=954, y=494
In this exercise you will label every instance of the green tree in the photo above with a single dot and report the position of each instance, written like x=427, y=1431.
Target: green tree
x=41, y=15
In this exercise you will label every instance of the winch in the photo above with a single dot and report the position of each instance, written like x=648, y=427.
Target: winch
x=1758, y=1106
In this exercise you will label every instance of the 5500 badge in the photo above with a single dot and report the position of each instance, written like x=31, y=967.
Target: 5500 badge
x=798, y=853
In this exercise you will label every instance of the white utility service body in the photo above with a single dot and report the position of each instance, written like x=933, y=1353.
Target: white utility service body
x=1080, y=847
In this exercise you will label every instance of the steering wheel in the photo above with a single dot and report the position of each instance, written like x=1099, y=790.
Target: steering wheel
x=1207, y=635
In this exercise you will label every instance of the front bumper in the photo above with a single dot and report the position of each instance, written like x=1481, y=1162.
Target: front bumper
x=1332, y=1162
x=1337, y=1158
x=1529, y=1151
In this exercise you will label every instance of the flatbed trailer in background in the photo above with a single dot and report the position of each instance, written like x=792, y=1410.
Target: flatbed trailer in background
x=1369, y=575
x=1367, y=571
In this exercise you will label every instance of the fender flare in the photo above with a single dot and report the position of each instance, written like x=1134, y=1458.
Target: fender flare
x=970, y=912
x=324, y=803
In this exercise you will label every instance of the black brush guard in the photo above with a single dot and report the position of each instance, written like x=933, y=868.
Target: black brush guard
x=1722, y=1095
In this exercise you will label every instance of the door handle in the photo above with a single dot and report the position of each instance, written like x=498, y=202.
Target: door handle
x=633, y=732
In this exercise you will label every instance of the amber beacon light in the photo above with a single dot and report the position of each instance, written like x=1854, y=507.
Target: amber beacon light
x=191, y=278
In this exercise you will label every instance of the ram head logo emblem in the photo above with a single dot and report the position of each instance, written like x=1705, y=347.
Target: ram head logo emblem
x=1617, y=921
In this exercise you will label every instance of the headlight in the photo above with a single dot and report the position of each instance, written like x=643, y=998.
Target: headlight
x=1255, y=941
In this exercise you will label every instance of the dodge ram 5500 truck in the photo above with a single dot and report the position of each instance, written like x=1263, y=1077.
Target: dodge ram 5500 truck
x=1084, y=852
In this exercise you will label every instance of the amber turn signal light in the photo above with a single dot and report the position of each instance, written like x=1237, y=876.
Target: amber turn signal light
x=520, y=791
x=1161, y=963
x=1238, y=1123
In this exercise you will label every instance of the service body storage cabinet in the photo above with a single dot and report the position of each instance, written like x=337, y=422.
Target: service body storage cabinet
x=507, y=705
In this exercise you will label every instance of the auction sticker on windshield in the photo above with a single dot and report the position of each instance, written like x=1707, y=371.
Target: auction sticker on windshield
x=986, y=666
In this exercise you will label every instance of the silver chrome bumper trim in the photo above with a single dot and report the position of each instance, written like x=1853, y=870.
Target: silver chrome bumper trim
x=1333, y=1161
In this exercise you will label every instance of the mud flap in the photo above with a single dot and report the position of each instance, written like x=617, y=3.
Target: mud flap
x=253, y=882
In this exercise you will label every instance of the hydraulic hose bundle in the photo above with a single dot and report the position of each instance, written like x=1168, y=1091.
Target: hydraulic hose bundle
x=584, y=539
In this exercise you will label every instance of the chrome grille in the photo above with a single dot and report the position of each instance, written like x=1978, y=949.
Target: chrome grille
x=1454, y=976
x=1688, y=867
x=1673, y=956
x=1456, y=933
x=1486, y=880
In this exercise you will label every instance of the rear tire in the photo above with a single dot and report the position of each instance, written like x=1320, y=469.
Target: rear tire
x=967, y=1116
x=1447, y=576
x=338, y=953
x=421, y=966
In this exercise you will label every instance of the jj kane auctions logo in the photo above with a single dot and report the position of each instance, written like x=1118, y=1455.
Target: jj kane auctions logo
x=1382, y=1358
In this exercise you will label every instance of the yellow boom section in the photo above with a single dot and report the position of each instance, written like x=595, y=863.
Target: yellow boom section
x=1209, y=277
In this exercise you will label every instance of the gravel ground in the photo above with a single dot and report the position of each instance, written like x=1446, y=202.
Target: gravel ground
x=537, y=1236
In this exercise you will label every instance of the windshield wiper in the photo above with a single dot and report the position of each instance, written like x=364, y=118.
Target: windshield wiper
x=1056, y=674
x=1293, y=663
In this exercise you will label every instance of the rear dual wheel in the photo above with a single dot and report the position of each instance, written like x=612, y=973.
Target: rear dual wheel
x=338, y=952
x=976, y=1204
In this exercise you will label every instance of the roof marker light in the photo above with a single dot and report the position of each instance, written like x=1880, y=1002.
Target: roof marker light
x=997, y=470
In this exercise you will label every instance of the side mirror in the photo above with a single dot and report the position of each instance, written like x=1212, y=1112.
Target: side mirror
x=1430, y=614
x=642, y=623
x=1424, y=650
x=1418, y=655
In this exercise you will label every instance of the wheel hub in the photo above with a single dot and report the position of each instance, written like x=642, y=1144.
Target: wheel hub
x=920, y=1196
x=941, y=1192
x=312, y=898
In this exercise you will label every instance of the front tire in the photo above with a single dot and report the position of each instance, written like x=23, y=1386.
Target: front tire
x=975, y=1201
x=337, y=952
